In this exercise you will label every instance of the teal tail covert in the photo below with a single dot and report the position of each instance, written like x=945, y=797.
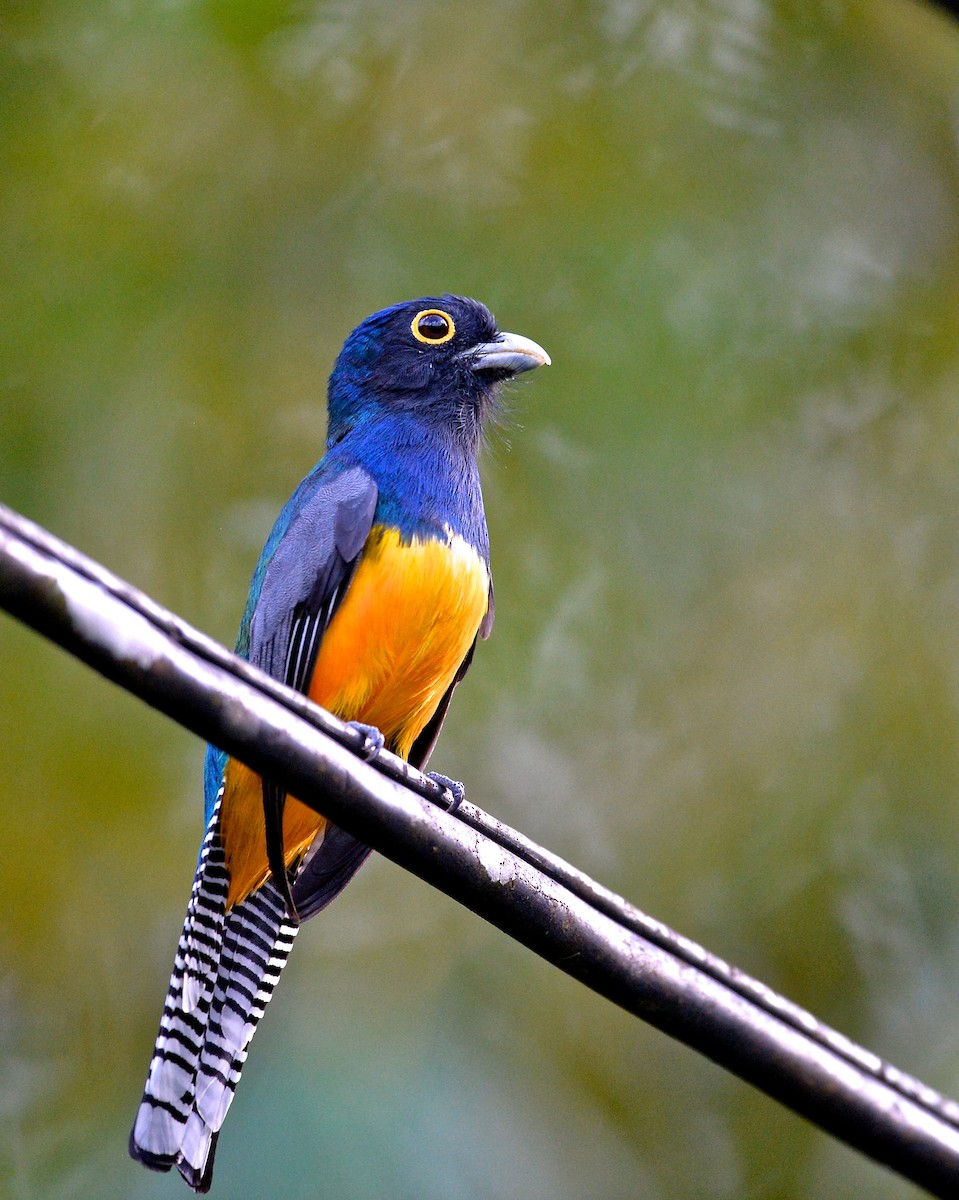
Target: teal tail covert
x=369, y=596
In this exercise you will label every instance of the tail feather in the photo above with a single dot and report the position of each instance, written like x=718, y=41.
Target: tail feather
x=226, y=967
x=202, y=935
x=256, y=944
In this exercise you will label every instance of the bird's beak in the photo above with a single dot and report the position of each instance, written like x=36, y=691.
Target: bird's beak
x=508, y=352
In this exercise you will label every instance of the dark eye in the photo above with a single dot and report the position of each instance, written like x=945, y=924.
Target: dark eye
x=433, y=327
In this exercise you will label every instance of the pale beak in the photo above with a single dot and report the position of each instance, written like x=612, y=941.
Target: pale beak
x=509, y=352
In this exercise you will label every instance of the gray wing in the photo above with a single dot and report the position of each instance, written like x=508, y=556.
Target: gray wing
x=304, y=583
x=308, y=573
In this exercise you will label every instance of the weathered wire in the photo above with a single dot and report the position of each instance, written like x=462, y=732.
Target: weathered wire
x=529, y=893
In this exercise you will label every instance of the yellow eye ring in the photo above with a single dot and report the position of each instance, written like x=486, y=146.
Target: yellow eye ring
x=433, y=327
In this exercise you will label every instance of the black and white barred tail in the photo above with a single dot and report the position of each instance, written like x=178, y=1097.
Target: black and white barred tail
x=227, y=965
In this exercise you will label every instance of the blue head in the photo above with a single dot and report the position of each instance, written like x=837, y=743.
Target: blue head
x=438, y=359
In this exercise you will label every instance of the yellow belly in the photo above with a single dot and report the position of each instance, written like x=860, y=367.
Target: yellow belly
x=408, y=620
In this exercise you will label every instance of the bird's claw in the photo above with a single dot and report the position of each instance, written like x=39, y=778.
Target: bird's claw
x=373, y=740
x=453, y=786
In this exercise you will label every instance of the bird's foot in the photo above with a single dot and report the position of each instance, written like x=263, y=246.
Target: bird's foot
x=453, y=786
x=373, y=740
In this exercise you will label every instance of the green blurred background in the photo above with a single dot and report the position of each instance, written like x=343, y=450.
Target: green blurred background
x=725, y=672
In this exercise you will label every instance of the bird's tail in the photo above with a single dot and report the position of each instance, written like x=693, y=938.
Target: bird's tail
x=227, y=965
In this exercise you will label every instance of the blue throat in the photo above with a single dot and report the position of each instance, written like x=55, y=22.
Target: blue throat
x=428, y=478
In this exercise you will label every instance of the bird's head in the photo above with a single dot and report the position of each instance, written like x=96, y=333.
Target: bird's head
x=440, y=358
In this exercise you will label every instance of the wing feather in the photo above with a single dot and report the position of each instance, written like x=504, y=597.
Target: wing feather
x=305, y=580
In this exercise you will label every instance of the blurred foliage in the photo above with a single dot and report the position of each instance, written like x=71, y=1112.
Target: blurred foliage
x=725, y=673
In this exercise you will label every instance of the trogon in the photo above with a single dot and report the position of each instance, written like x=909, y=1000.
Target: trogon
x=369, y=596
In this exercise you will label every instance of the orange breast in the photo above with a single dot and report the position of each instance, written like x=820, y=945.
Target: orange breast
x=408, y=620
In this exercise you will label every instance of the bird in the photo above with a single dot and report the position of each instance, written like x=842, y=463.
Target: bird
x=369, y=596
